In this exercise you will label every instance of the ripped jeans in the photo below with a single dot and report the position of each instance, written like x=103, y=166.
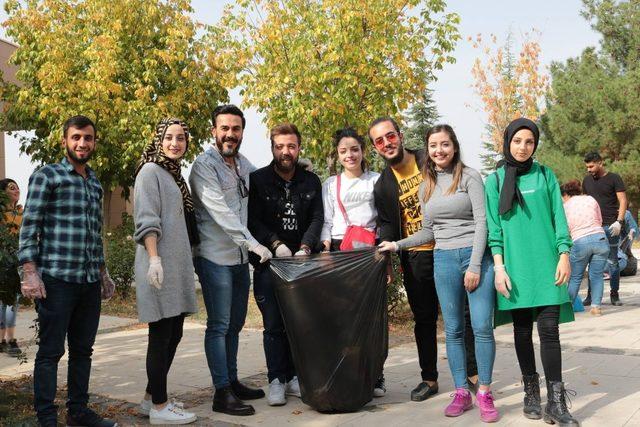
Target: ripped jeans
x=276, y=345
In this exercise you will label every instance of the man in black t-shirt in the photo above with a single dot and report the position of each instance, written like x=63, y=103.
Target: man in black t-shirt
x=608, y=190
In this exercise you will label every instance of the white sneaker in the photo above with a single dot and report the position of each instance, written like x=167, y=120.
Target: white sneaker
x=276, y=393
x=171, y=414
x=293, y=387
x=145, y=407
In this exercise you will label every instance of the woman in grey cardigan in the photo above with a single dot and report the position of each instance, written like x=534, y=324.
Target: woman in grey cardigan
x=452, y=201
x=165, y=288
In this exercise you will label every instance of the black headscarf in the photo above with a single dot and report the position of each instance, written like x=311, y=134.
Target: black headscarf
x=512, y=167
x=153, y=153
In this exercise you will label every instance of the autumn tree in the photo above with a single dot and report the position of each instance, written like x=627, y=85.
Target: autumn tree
x=510, y=85
x=325, y=64
x=123, y=63
x=420, y=117
x=594, y=103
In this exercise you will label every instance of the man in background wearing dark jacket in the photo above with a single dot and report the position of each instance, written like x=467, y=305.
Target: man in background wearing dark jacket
x=399, y=216
x=285, y=215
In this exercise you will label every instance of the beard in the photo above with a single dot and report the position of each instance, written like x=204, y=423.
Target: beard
x=282, y=167
x=228, y=152
x=77, y=159
x=392, y=161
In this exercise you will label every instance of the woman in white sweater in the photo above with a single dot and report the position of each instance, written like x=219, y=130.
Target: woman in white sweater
x=356, y=196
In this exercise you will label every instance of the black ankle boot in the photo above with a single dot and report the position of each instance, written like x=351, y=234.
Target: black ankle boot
x=556, y=411
x=225, y=401
x=615, y=298
x=532, y=408
x=244, y=392
x=587, y=301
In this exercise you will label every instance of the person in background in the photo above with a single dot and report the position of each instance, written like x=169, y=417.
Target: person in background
x=165, y=289
x=356, y=198
x=285, y=215
x=590, y=245
x=609, y=191
x=530, y=242
x=452, y=200
x=63, y=270
x=9, y=312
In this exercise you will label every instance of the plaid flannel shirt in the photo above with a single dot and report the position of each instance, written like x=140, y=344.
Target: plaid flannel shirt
x=62, y=224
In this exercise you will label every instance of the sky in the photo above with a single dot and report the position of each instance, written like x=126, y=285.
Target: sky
x=563, y=34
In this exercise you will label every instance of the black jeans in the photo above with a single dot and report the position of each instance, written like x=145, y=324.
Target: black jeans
x=417, y=268
x=71, y=311
x=164, y=337
x=548, y=332
x=276, y=345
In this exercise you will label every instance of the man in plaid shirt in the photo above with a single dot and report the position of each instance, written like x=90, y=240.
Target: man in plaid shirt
x=63, y=269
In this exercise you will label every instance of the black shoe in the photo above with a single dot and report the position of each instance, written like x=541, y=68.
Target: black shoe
x=556, y=411
x=13, y=349
x=532, y=408
x=225, y=401
x=615, y=298
x=423, y=391
x=244, y=392
x=85, y=417
x=473, y=387
x=379, y=389
x=587, y=301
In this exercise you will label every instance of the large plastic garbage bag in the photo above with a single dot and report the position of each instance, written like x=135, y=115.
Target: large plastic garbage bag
x=335, y=313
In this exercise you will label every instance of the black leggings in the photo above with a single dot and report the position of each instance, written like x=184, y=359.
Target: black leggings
x=164, y=337
x=548, y=317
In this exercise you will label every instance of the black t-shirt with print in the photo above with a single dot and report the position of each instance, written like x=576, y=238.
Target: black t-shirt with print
x=604, y=190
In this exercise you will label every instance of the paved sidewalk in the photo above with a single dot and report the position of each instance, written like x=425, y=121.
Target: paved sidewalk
x=601, y=359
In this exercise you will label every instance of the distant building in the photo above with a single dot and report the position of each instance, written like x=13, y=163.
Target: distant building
x=117, y=204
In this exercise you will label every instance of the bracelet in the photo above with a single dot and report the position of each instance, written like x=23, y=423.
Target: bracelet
x=499, y=267
x=275, y=244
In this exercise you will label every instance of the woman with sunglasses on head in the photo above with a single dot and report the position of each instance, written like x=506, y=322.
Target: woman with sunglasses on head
x=452, y=199
x=12, y=213
x=165, y=288
x=530, y=243
x=348, y=201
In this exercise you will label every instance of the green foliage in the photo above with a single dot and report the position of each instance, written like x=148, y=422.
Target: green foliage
x=325, y=64
x=593, y=106
x=121, y=254
x=420, y=117
x=123, y=63
x=9, y=280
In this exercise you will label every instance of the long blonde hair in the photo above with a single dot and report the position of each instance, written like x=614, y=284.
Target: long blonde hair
x=429, y=173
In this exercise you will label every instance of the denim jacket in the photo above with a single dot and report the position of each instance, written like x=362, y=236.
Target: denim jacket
x=221, y=195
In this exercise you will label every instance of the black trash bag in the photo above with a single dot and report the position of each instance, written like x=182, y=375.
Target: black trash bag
x=335, y=314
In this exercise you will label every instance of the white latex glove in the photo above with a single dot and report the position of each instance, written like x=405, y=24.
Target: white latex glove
x=108, y=287
x=283, y=251
x=502, y=282
x=615, y=228
x=32, y=284
x=155, y=275
x=300, y=253
x=264, y=253
x=631, y=234
x=388, y=247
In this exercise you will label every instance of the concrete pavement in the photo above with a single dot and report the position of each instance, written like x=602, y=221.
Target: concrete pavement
x=601, y=361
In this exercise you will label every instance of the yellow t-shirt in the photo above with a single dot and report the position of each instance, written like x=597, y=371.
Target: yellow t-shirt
x=14, y=218
x=409, y=179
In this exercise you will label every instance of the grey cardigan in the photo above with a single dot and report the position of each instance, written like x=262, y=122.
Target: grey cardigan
x=158, y=209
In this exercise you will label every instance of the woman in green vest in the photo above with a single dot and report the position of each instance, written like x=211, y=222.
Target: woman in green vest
x=530, y=244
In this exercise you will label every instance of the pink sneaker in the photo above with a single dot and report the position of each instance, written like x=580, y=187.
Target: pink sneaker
x=461, y=402
x=488, y=412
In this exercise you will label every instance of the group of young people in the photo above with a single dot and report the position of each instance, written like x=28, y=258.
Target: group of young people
x=466, y=245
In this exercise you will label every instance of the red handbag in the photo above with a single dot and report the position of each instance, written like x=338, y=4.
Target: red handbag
x=355, y=236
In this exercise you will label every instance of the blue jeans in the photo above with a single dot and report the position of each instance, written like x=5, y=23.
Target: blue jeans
x=276, y=346
x=225, y=289
x=614, y=268
x=8, y=314
x=450, y=266
x=71, y=311
x=592, y=250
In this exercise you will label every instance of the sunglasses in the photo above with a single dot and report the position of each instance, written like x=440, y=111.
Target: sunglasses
x=391, y=137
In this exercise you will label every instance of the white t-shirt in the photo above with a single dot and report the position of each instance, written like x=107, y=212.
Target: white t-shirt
x=357, y=197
